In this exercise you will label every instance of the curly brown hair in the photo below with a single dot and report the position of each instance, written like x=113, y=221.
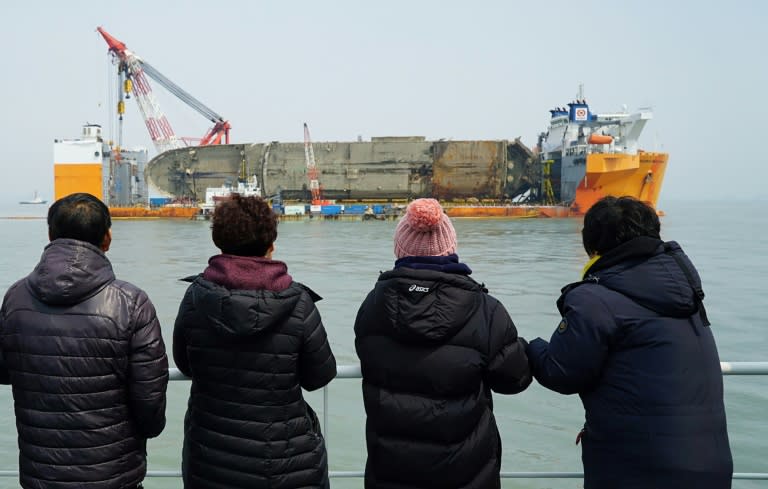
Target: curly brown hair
x=244, y=226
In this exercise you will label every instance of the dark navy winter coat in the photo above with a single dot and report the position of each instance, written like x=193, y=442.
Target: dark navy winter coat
x=250, y=353
x=432, y=346
x=85, y=356
x=635, y=344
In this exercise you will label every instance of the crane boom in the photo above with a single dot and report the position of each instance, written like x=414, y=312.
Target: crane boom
x=312, y=173
x=159, y=128
x=182, y=94
x=132, y=70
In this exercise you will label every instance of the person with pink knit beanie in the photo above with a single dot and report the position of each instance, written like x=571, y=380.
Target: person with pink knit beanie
x=432, y=345
x=425, y=230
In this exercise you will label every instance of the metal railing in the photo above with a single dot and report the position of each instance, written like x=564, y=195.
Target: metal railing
x=353, y=372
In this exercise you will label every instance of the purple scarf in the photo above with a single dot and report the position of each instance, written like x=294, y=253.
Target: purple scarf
x=247, y=272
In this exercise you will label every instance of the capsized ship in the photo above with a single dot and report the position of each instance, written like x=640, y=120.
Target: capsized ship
x=582, y=157
x=388, y=168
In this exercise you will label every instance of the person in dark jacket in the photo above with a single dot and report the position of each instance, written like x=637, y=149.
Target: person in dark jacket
x=634, y=342
x=433, y=344
x=251, y=338
x=85, y=356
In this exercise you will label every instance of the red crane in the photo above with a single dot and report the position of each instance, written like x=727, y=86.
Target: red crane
x=131, y=70
x=312, y=172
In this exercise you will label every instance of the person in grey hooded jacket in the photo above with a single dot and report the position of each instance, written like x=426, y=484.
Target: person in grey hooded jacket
x=251, y=338
x=635, y=343
x=86, y=359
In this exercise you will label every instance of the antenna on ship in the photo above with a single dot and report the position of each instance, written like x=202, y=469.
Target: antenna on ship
x=580, y=95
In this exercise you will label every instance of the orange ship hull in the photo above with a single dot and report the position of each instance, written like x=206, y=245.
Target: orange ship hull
x=507, y=211
x=639, y=176
x=153, y=213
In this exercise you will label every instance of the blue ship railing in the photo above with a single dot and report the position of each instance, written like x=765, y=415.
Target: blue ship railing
x=353, y=372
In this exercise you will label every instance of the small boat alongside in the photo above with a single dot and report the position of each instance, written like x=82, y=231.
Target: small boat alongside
x=213, y=195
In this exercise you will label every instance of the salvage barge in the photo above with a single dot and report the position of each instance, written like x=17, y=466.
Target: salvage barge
x=581, y=158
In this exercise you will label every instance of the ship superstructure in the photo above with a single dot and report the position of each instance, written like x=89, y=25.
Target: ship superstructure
x=79, y=164
x=586, y=155
x=88, y=164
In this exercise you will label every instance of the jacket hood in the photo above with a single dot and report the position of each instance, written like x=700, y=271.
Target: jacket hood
x=69, y=272
x=654, y=274
x=426, y=305
x=245, y=312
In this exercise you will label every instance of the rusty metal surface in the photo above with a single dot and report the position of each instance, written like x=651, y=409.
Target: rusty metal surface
x=384, y=168
x=465, y=169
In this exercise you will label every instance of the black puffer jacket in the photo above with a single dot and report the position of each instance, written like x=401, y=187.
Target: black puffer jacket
x=432, y=346
x=249, y=353
x=635, y=345
x=85, y=356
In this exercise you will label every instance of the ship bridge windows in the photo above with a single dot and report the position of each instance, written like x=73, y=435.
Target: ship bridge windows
x=559, y=122
x=576, y=150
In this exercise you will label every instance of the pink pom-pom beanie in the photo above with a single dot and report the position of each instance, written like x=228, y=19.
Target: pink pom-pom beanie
x=425, y=230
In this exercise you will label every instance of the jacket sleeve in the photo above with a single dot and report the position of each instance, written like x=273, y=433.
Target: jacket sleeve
x=180, y=357
x=4, y=376
x=508, y=369
x=572, y=361
x=317, y=365
x=149, y=370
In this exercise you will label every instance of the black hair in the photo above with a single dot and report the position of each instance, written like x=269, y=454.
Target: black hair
x=244, y=226
x=79, y=216
x=612, y=221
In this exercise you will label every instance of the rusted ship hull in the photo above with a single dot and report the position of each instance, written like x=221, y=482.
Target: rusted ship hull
x=382, y=169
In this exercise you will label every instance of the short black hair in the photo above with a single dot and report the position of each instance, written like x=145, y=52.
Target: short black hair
x=612, y=221
x=79, y=216
x=244, y=226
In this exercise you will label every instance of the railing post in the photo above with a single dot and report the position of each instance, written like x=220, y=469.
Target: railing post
x=325, y=416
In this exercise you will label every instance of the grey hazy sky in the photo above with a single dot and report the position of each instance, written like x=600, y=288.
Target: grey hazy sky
x=440, y=69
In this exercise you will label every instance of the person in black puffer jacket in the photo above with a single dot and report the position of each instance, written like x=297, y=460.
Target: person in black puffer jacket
x=85, y=356
x=634, y=342
x=433, y=344
x=251, y=338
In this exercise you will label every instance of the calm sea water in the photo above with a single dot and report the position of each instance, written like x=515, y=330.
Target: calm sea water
x=524, y=263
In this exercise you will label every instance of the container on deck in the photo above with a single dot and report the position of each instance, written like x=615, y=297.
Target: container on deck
x=294, y=210
x=355, y=209
x=331, y=210
x=159, y=201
